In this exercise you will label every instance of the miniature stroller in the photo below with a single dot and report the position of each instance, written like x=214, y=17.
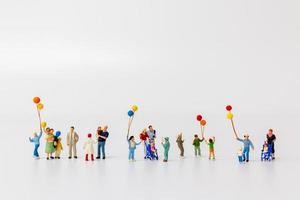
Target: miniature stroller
x=266, y=152
x=150, y=154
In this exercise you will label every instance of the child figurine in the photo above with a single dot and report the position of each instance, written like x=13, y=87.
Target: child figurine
x=196, y=143
x=57, y=145
x=89, y=147
x=211, y=149
x=58, y=149
x=152, y=147
x=240, y=154
x=132, y=146
x=166, y=145
x=36, y=140
x=180, y=142
x=265, y=147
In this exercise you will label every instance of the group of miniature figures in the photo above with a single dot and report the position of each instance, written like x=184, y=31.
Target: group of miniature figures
x=148, y=138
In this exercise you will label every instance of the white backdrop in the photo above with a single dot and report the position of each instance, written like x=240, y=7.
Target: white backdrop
x=90, y=61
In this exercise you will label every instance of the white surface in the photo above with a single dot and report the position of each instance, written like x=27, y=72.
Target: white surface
x=89, y=62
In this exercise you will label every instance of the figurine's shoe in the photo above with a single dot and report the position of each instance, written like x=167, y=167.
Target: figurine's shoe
x=98, y=157
x=70, y=157
x=103, y=157
x=75, y=157
x=52, y=157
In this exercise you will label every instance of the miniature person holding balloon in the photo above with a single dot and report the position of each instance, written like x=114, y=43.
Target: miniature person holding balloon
x=132, y=147
x=197, y=141
x=210, y=142
x=72, y=139
x=180, y=142
x=36, y=140
x=247, y=143
x=196, y=144
x=131, y=142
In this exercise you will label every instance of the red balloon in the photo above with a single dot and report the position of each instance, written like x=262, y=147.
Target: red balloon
x=203, y=122
x=228, y=108
x=36, y=100
x=199, y=118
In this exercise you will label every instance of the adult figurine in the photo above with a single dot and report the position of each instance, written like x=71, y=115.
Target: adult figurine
x=180, y=142
x=247, y=144
x=145, y=138
x=102, y=136
x=151, y=133
x=72, y=139
x=271, y=138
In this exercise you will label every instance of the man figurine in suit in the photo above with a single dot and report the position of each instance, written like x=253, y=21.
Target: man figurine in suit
x=72, y=139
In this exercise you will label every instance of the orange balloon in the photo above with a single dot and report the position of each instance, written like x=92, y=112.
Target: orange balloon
x=40, y=106
x=203, y=122
x=36, y=100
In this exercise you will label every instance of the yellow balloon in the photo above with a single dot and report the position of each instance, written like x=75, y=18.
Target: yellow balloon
x=230, y=116
x=44, y=124
x=134, y=108
x=40, y=106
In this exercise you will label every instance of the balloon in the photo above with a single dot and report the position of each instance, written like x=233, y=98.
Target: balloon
x=40, y=106
x=229, y=108
x=134, y=108
x=36, y=100
x=203, y=122
x=44, y=124
x=58, y=133
x=130, y=113
x=230, y=116
x=199, y=118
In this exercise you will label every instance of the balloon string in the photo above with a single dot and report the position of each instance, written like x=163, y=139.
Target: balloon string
x=233, y=127
x=39, y=116
x=129, y=124
x=201, y=129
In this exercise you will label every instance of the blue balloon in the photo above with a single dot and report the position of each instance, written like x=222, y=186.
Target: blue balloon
x=57, y=134
x=130, y=113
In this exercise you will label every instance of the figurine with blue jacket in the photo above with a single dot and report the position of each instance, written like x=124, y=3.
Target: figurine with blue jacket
x=247, y=144
x=36, y=141
x=132, y=147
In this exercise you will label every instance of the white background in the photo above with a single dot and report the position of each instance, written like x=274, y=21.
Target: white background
x=90, y=61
